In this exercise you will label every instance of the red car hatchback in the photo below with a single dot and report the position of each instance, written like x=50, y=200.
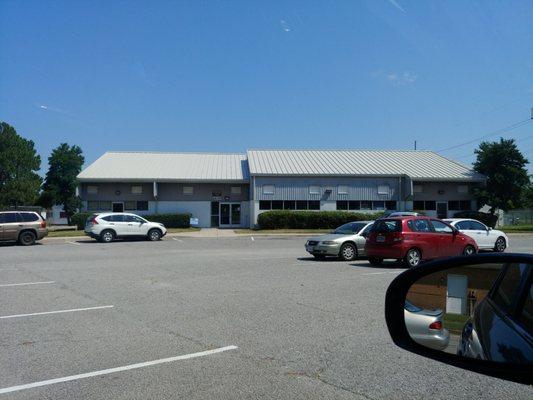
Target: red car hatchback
x=414, y=239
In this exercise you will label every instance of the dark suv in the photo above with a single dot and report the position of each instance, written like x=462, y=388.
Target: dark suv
x=24, y=227
x=501, y=327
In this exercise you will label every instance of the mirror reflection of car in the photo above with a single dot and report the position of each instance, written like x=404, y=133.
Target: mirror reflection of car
x=346, y=242
x=425, y=326
x=415, y=239
x=501, y=327
x=486, y=238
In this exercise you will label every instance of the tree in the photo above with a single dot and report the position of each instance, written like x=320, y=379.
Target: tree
x=527, y=194
x=19, y=163
x=64, y=165
x=504, y=166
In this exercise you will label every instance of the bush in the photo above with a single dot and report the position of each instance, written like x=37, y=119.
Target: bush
x=178, y=220
x=287, y=219
x=487, y=219
x=79, y=219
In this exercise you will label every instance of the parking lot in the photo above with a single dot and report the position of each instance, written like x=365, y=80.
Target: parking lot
x=198, y=318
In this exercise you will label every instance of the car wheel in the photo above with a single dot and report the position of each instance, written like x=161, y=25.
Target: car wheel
x=154, y=235
x=27, y=238
x=500, y=245
x=469, y=250
x=413, y=258
x=107, y=236
x=348, y=252
x=375, y=261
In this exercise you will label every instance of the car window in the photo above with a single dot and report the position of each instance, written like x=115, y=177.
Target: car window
x=137, y=219
x=411, y=307
x=526, y=315
x=441, y=227
x=8, y=218
x=366, y=230
x=477, y=226
x=507, y=289
x=29, y=217
x=384, y=226
x=128, y=218
x=114, y=218
x=463, y=225
x=420, y=225
x=345, y=229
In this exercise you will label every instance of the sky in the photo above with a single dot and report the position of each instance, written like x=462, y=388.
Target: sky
x=228, y=76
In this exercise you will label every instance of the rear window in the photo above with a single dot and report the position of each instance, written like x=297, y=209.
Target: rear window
x=411, y=307
x=507, y=290
x=29, y=217
x=387, y=225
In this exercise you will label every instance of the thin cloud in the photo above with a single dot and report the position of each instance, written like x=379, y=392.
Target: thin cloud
x=285, y=26
x=396, y=78
x=44, y=107
x=395, y=4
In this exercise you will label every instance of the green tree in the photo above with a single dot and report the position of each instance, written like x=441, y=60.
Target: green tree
x=504, y=166
x=19, y=163
x=64, y=165
x=527, y=194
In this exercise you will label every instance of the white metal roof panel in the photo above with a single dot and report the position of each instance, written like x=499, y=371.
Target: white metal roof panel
x=153, y=166
x=417, y=164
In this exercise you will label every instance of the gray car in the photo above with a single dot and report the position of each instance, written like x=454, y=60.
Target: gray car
x=425, y=326
x=346, y=242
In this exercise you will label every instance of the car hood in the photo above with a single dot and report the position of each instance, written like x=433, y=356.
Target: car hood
x=330, y=236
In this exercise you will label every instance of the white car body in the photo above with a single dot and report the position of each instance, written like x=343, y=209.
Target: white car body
x=122, y=225
x=485, y=237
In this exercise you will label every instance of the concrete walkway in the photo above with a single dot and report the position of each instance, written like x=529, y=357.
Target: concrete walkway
x=207, y=233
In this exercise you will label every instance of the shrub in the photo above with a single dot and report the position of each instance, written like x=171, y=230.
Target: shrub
x=178, y=220
x=487, y=219
x=79, y=219
x=287, y=219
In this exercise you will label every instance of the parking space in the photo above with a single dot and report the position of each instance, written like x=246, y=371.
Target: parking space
x=208, y=318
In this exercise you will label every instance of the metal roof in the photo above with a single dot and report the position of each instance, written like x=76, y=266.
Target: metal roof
x=170, y=167
x=417, y=164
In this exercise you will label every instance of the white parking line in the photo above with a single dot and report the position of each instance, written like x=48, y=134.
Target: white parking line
x=253, y=239
x=26, y=283
x=177, y=240
x=113, y=370
x=74, y=243
x=55, y=312
x=386, y=272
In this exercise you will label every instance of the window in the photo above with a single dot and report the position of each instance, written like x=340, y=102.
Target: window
x=114, y=218
x=366, y=205
x=383, y=189
x=418, y=205
x=91, y=189
x=188, y=190
x=419, y=225
x=477, y=226
x=378, y=205
x=441, y=227
x=342, y=189
x=314, y=189
x=354, y=205
x=289, y=205
x=265, y=205
x=277, y=205
x=454, y=205
x=301, y=205
x=268, y=189
x=508, y=288
x=9, y=218
x=92, y=206
x=465, y=205
x=314, y=205
x=390, y=205
x=130, y=205
x=104, y=205
x=142, y=205
x=215, y=213
x=417, y=189
x=463, y=225
x=29, y=217
x=136, y=189
x=462, y=189
x=342, y=205
x=235, y=190
x=526, y=316
x=430, y=205
x=384, y=226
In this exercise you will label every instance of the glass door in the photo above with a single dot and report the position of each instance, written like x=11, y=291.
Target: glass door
x=225, y=214
x=230, y=214
x=236, y=214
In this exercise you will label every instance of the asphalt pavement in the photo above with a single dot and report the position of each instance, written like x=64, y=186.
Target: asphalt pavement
x=209, y=318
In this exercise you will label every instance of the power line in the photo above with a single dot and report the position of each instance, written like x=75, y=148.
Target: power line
x=496, y=132
x=522, y=139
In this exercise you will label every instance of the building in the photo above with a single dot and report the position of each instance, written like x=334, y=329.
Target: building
x=231, y=190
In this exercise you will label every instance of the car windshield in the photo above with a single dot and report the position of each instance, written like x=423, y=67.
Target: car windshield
x=349, y=228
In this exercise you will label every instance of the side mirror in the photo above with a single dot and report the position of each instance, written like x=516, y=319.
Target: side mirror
x=472, y=312
x=489, y=228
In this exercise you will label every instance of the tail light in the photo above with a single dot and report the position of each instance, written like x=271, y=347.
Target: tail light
x=437, y=325
x=43, y=224
x=94, y=221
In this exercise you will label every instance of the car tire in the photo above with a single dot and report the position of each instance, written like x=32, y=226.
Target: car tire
x=27, y=238
x=319, y=257
x=469, y=250
x=500, y=245
x=154, y=235
x=376, y=262
x=413, y=258
x=107, y=236
x=348, y=252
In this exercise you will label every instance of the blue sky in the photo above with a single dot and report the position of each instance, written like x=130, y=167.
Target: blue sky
x=232, y=75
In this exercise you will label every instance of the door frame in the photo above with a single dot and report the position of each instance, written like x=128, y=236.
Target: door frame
x=231, y=224
x=113, y=206
x=437, y=208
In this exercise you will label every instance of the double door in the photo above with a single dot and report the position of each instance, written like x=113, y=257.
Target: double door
x=230, y=214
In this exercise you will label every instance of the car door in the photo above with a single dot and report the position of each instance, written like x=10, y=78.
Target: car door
x=424, y=237
x=449, y=244
x=481, y=234
x=116, y=222
x=360, y=239
x=2, y=222
x=134, y=225
x=11, y=226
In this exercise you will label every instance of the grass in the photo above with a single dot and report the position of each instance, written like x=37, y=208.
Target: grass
x=517, y=228
x=82, y=233
x=274, y=231
x=454, y=322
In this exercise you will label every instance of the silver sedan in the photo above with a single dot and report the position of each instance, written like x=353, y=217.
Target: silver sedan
x=425, y=326
x=346, y=242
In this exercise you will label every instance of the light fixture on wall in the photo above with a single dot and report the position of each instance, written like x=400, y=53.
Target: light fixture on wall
x=441, y=191
x=117, y=192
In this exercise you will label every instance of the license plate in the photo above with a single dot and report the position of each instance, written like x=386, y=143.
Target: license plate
x=380, y=239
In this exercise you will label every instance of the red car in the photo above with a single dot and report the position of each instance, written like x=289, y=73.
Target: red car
x=415, y=239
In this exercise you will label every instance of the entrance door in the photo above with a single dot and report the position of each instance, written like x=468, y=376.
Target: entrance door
x=230, y=214
x=456, y=294
x=442, y=210
x=118, y=207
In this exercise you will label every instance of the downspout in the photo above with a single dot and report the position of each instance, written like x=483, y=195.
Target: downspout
x=156, y=203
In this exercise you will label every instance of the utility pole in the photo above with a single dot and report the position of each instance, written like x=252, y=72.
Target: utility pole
x=532, y=117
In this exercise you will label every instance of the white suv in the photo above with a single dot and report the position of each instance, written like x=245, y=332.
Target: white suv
x=106, y=227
